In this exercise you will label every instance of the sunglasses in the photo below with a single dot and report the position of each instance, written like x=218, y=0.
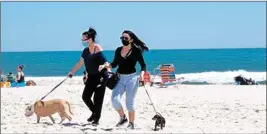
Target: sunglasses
x=124, y=38
x=86, y=38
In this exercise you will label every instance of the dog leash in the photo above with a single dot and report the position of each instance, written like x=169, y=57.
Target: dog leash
x=151, y=100
x=55, y=87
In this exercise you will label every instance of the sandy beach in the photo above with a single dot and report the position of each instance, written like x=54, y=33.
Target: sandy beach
x=187, y=109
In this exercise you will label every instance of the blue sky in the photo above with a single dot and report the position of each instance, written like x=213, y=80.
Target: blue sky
x=46, y=26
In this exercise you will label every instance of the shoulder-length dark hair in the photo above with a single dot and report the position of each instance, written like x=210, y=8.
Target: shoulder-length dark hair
x=136, y=41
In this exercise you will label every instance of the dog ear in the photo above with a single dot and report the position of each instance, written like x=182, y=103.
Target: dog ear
x=42, y=103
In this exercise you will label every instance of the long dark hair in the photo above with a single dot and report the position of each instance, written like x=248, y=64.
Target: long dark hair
x=136, y=41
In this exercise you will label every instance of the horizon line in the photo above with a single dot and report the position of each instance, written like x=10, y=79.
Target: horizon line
x=149, y=50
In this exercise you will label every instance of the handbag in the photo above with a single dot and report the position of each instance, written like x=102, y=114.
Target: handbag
x=110, y=79
x=113, y=79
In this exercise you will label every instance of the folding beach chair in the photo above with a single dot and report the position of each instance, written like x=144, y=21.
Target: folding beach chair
x=166, y=72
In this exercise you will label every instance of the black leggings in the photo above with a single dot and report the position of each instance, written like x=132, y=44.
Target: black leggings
x=93, y=85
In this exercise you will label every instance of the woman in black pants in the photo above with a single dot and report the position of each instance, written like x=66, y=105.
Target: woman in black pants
x=92, y=57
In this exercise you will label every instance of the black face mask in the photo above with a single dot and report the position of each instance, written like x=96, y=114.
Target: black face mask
x=125, y=42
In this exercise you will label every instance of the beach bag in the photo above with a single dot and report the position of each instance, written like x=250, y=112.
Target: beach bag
x=112, y=80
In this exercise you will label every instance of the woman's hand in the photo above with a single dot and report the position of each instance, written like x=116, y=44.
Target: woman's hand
x=85, y=78
x=105, y=65
x=101, y=67
x=70, y=74
x=142, y=76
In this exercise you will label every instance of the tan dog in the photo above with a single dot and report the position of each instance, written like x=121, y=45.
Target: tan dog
x=48, y=108
x=30, y=83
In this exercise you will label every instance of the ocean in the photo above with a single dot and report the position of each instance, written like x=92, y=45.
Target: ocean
x=198, y=66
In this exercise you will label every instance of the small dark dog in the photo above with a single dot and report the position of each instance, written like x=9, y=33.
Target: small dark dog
x=160, y=121
x=84, y=77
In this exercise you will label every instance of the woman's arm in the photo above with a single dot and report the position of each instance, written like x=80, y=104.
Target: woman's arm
x=77, y=66
x=102, y=57
x=18, y=76
x=142, y=64
x=114, y=63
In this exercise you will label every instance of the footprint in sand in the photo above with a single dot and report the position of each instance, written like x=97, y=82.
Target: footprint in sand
x=257, y=110
x=243, y=117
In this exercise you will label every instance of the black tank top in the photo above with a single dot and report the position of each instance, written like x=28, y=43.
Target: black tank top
x=21, y=79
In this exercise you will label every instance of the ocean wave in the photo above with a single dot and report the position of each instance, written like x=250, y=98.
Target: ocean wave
x=226, y=77
x=201, y=78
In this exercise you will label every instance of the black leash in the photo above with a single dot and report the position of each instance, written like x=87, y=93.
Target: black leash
x=151, y=101
x=55, y=87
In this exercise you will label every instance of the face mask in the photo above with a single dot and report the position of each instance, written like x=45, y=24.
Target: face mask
x=85, y=44
x=125, y=42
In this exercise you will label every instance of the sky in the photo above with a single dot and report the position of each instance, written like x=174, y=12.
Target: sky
x=57, y=26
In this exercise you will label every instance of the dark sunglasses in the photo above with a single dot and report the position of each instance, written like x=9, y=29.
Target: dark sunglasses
x=85, y=39
x=88, y=37
x=124, y=38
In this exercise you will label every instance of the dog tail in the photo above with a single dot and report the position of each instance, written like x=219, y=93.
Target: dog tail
x=69, y=108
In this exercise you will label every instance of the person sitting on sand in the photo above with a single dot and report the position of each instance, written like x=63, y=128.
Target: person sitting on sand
x=11, y=78
x=252, y=82
x=3, y=77
x=20, y=75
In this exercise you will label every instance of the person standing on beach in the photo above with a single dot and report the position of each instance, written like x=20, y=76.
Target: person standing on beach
x=126, y=58
x=92, y=56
